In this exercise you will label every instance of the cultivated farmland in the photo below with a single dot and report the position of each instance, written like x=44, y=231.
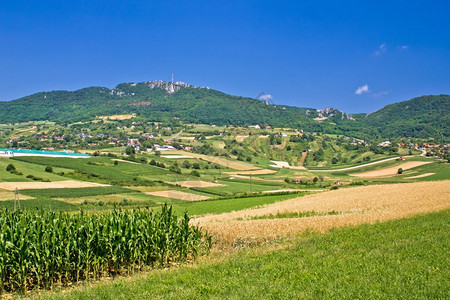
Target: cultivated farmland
x=357, y=206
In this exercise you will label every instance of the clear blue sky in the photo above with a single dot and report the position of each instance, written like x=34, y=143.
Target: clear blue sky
x=356, y=56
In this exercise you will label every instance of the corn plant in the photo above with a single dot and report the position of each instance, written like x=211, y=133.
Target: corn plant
x=41, y=248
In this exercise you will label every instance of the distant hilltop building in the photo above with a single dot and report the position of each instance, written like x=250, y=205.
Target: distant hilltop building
x=169, y=87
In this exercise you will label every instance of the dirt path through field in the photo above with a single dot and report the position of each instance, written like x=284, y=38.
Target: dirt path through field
x=391, y=171
x=359, y=205
x=302, y=159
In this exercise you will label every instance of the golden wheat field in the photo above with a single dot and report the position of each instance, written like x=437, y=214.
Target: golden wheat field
x=237, y=165
x=9, y=195
x=173, y=194
x=117, y=117
x=11, y=186
x=391, y=171
x=196, y=183
x=359, y=205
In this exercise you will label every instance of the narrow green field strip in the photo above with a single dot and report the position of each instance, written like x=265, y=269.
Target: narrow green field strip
x=76, y=192
x=40, y=203
x=228, y=205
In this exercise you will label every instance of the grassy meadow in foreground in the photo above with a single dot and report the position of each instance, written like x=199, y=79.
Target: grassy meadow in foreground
x=398, y=259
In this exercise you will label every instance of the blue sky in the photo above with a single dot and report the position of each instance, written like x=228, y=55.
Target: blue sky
x=356, y=56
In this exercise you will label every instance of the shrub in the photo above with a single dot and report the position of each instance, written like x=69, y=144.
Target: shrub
x=195, y=173
x=48, y=169
x=10, y=168
x=400, y=171
x=175, y=169
x=116, y=162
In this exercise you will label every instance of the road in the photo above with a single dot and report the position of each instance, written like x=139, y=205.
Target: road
x=175, y=135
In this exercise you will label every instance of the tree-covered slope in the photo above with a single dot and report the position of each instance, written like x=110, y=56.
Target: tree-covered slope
x=190, y=104
x=426, y=116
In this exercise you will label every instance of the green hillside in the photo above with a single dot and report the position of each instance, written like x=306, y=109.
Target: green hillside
x=426, y=116
x=190, y=104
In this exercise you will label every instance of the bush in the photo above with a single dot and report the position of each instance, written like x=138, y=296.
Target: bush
x=400, y=171
x=195, y=173
x=10, y=168
x=48, y=169
x=175, y=169
x=116, y=162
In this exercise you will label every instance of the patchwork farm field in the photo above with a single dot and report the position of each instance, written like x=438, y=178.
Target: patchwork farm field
x=251, y=211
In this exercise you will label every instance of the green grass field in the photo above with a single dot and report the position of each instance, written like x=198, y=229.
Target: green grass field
x=75, y=192
x=402, y=259
x=28, y=169
x=227, y=205
x=40, y=203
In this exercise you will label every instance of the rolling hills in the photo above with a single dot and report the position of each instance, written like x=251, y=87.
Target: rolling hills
x=424, y=117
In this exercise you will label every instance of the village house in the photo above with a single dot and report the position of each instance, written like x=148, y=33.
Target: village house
x=254, y=126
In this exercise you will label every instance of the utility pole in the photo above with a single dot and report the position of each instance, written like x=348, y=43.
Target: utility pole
x=16, y=199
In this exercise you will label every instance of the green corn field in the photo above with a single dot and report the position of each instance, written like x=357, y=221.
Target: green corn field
x=39, y=248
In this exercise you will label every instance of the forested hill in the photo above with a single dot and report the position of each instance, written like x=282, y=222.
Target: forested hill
x=426, y=116
x=155, y=100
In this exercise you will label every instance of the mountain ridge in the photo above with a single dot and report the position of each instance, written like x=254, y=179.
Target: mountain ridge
x=161, y=100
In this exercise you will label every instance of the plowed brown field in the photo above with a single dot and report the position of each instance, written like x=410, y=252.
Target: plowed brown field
x=368, y=204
